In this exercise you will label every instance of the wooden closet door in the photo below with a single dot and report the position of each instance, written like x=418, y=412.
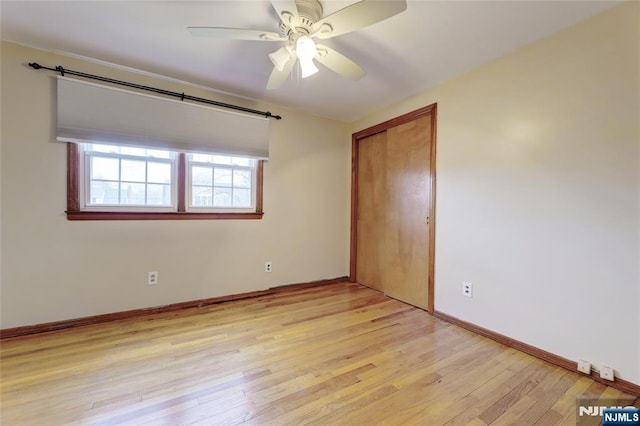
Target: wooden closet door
x=372, y=196
x=393, y=205
x=406, y=241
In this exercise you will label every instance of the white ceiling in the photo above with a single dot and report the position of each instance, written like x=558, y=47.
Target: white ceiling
x=428, y=43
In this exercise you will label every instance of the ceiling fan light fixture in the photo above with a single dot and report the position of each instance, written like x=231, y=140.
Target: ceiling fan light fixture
x=308, y=68
x=280, y=57
x=306, y=50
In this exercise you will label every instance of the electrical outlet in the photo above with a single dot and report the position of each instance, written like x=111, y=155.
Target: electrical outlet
x=467, y=289
x=152, y=278
x=606, y=373
x=584, y=366
x=267, y=266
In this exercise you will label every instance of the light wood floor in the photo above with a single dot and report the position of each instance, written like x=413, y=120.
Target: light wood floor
x=337, y=354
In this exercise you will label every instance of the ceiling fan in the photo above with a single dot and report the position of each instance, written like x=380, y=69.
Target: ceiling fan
x=300, y=22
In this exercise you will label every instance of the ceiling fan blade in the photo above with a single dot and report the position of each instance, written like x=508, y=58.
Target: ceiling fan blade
x=339, y=63
x=278, y=77
x=356, y=16
x=287, y=11
x=235, y=34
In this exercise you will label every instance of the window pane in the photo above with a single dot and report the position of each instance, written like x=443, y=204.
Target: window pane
x=115, y=179
x=241, y=161
x=158, y=195
x=232, y=179
x=242, y=198
x=202, y=196
x=220, y=159
x=155, y=153
x=158, y=172
x=103, y=148
x=221, y=177
x=202, y=175
x=133, y=171
x=103, y=193
x=143, y=152
x=200, y=158
x=222, y=197
x=132, y=193
x=127, y=150
x=104, y=168
x=242, y=178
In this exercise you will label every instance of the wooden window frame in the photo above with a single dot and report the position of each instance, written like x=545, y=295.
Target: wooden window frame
x=75, y=213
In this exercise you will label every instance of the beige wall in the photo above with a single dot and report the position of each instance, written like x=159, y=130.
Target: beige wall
x=54, y=269
x=538, y=192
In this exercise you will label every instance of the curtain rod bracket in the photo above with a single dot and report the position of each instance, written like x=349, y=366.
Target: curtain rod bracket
x=182, y=96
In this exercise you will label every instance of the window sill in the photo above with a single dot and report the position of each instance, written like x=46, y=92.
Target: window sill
x=92, y=215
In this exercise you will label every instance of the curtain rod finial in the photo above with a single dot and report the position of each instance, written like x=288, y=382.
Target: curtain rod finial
x=268, y=114
x=35, y=65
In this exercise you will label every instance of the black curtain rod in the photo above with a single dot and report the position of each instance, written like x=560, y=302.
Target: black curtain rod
x=182, y=96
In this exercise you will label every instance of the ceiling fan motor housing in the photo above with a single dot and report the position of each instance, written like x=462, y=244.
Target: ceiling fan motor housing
x=309, y=12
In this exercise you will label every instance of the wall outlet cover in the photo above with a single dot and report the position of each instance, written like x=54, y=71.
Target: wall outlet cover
x=584, y=366
x=467, y=289
x=606, y=373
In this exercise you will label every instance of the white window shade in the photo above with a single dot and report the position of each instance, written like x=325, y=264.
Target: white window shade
x=93, y=113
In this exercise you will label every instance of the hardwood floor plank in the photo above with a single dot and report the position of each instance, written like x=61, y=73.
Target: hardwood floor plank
x=337, y=354
x=514, y=413
x=480, y=392
x=514, y=395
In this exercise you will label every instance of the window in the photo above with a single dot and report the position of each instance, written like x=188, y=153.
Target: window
x=124, y=178
x=221, y=182
x=118, y=182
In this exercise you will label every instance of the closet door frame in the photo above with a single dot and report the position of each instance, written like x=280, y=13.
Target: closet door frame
x=355, y=145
